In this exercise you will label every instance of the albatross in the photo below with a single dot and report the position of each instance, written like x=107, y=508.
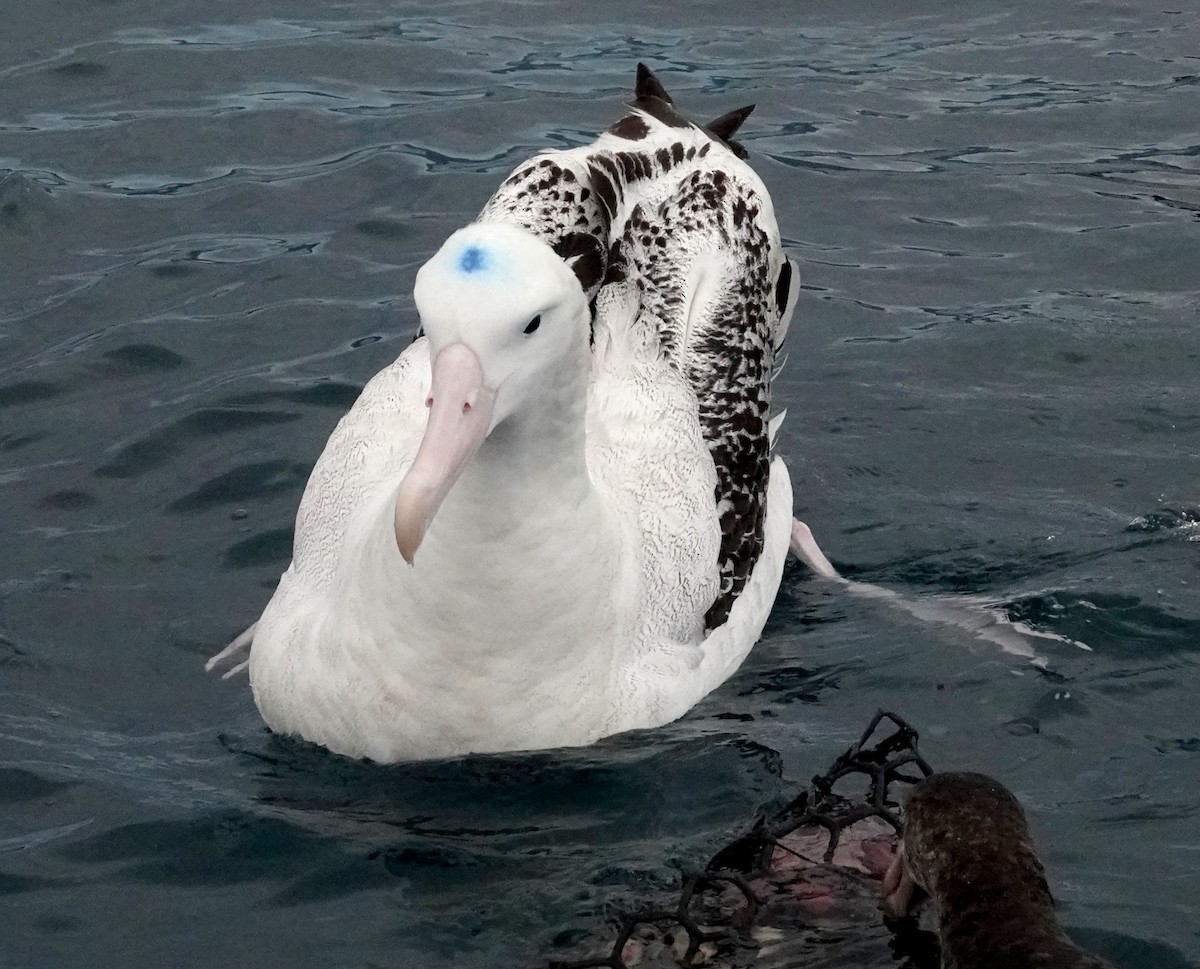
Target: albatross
x=557, y=515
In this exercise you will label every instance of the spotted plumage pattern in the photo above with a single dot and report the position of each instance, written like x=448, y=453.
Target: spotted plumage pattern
x=670, y=204
x=552, y=196
x=574, y=199
x=703, y=266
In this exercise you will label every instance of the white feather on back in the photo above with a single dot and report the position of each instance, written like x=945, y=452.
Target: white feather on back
x=646, y=452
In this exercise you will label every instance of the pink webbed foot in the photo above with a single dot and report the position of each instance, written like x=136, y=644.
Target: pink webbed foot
x=237, y=652
x=805, y=548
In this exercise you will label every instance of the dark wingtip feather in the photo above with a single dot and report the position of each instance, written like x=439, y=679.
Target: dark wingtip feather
x=649, y=86
x=650, y=96
x=726, y=126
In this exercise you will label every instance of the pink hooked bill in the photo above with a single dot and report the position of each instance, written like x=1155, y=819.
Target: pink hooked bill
x=460, y=415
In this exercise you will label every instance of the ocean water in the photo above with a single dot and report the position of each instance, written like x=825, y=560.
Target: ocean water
x=210, y=220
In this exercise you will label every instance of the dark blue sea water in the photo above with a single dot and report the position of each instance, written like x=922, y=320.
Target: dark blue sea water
x=210, y=220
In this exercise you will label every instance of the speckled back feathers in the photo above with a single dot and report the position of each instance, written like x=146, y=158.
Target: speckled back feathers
x=670, y=205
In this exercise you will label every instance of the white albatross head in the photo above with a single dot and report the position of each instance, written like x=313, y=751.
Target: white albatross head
x=501, y=311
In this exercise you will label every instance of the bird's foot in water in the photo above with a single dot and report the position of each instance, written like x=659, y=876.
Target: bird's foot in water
x=237, y=652
x=979, y=616
x=806, y=549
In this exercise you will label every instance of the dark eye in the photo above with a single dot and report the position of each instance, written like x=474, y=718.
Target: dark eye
x=534, y=323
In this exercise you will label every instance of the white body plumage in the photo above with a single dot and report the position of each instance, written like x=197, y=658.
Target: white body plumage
x=566, y=577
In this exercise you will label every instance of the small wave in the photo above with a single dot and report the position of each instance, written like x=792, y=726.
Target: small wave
x=1185, y=518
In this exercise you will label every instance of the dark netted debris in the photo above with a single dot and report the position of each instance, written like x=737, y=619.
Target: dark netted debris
x=794, y=862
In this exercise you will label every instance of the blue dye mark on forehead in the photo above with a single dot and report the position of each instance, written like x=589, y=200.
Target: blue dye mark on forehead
x=473, y=259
